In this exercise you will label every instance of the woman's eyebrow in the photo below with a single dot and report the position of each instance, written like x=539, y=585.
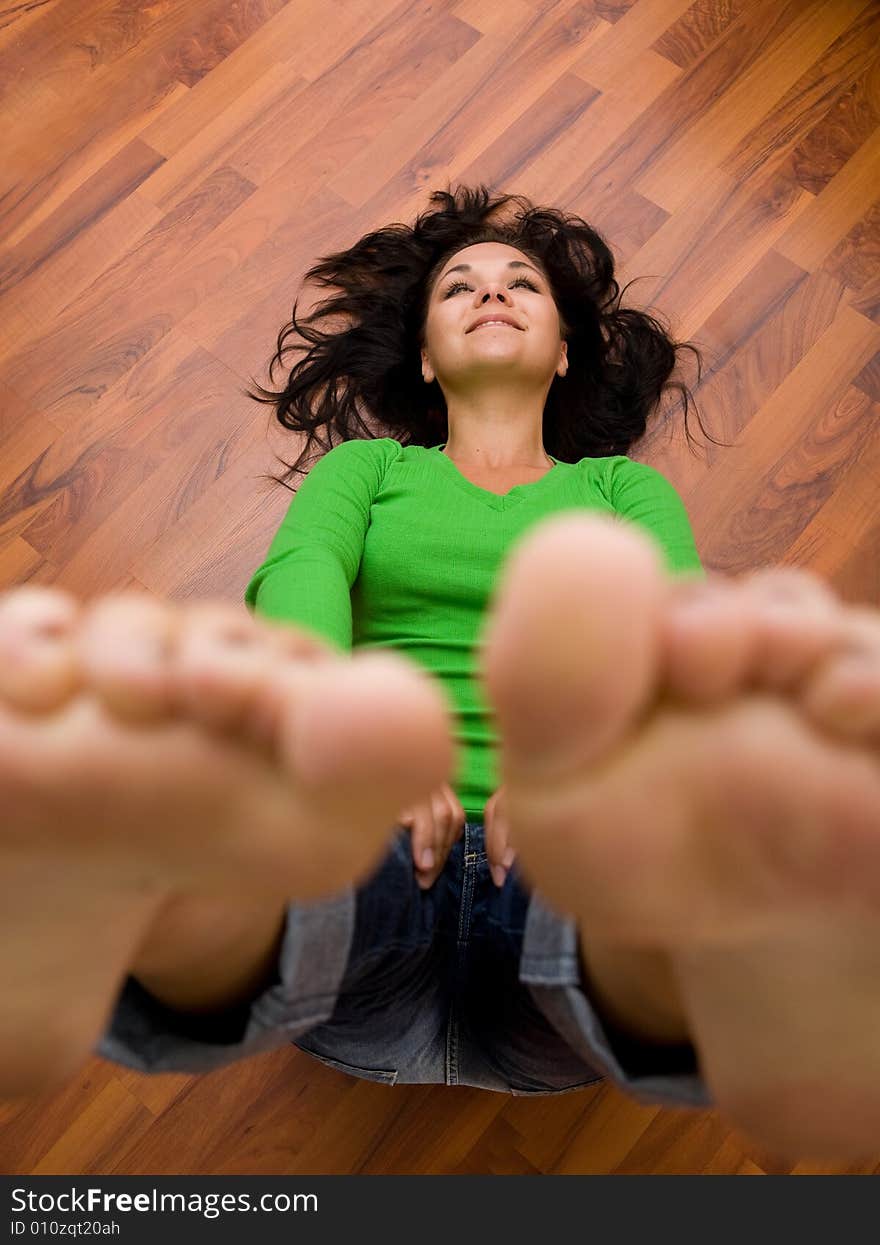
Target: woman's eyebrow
x=514, y=263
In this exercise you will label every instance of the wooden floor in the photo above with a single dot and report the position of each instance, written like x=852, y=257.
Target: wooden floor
x=170, y=169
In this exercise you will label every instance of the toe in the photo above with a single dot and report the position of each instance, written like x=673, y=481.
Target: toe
x=38, y=667
x=124, y=647
x=708, y=640
x=288, y=640
x=360, y=739
x=572, y=651
x=798, y=621
x=288, y=645
x=224, y=660
x=842, y=694
x=764, y=631
x=375, y=720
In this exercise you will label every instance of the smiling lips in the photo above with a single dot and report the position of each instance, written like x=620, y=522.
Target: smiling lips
x=484, y=324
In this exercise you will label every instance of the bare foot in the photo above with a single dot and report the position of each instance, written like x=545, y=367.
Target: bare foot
x=150, y=751
x=705, y=783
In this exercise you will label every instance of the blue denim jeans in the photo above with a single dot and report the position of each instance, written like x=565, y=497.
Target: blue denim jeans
x=432, y=990
x=463, y=984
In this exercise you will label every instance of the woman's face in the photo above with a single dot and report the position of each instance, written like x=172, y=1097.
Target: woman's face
x=501, y=280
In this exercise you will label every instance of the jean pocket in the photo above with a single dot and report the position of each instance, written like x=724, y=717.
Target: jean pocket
x=385, y=1076
x=565, y=1089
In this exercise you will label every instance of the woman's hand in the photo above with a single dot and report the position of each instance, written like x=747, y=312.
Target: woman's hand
x=435, y=823
x=497, y=834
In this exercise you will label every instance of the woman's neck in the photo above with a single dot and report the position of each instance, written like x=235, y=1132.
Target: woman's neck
x=497, y=460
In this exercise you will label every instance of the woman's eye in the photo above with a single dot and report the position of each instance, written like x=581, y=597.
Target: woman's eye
x=462, y=285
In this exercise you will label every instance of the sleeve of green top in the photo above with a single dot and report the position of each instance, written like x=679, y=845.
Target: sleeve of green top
x=640, y=494
x=314, y=558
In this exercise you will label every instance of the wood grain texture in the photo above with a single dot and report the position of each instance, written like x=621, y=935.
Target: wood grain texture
x=170, y=170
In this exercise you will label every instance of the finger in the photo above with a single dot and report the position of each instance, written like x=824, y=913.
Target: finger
x=422, y=839
x=441, y=843
x=458, y=818
x=449, y=823
x=499, y=851
x=427, y=874
x=496, y=832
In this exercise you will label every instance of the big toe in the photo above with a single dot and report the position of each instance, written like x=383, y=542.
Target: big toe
x=572, y=652
x=372, y=729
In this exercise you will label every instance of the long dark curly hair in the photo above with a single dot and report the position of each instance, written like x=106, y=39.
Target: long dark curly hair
x=619, y=359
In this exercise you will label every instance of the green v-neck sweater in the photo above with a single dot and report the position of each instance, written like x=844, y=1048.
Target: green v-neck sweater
x=386, y=546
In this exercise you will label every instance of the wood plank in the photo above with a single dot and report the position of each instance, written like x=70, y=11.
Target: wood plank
x=171, y=172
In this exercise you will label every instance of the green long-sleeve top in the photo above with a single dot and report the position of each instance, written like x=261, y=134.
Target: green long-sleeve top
x=390, y=546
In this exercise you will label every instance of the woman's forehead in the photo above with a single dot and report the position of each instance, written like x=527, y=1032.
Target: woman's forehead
x=487, y=252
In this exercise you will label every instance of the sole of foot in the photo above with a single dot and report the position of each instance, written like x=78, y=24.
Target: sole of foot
x=692, y=768
x=143, y=757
